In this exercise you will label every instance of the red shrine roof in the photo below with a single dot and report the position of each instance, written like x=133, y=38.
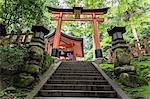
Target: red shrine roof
x=104, y=10
x=77, y=42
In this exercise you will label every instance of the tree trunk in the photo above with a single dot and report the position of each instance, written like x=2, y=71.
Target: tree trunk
x=135, y=37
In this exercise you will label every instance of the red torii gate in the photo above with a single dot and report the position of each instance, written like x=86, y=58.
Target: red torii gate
x=77, y=11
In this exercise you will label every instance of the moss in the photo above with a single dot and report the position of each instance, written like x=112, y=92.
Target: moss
x=121, y=57
x=142, y=69
x=142, y=91
x=34, y=50
x=107, y=67
x=31, y=68
x=46, y=62
x=23, y=80
x=142, y=66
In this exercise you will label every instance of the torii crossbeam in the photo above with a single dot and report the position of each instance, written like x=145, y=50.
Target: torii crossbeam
x=77, y=12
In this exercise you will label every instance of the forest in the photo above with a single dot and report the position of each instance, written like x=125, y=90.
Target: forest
x=18, y=16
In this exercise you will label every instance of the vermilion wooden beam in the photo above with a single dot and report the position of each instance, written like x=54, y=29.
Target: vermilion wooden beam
x=84, y=13
x=96, y=34
x=81, y=19
x=67, y=45
x=58, y=32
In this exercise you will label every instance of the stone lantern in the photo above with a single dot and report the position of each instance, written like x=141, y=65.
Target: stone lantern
x=117, y=36
x=39, y=31
x=38, y=38
x=123, y=70
x=117, y=33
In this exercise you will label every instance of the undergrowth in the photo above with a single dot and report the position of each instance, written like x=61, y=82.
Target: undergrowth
x=142, y=65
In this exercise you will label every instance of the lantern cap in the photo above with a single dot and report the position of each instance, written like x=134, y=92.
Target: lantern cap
x=39, y=28
x=116, y=29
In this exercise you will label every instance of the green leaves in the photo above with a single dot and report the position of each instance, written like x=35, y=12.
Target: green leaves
x=12, y=58
x=21, y=14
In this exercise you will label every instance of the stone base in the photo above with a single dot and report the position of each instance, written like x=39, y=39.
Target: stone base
x=98, y=53
x=55, y=52
x=128, y=79
x=99, y=60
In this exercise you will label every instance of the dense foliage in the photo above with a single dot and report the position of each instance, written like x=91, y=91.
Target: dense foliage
x=142, y=74
x=20, y=15
x=12, y=58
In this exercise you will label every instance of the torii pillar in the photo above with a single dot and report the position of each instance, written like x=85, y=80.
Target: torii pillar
x=77, y=11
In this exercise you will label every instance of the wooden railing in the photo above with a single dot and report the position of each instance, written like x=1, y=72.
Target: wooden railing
x=15, y=39
x=140, y=48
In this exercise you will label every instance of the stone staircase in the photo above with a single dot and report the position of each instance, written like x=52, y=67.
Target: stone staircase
x=77, y=79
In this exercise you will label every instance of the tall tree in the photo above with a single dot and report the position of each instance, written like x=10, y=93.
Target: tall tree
x=21, y=14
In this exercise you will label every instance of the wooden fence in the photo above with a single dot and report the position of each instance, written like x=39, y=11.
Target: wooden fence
x=15, y=39
x=25, y=38
x=140, y=48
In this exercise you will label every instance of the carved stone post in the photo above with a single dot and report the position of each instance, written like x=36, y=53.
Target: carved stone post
x=121, y=59
x=33, y=66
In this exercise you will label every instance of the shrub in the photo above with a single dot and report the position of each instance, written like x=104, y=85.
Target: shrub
x=12, y=58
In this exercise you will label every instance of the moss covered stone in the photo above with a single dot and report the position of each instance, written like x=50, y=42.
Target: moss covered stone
x=128, y=79
x=46, y=62
x=31, y=68
x=121, y=57
x=35, y=50
x=23, y=80
x=124, y=69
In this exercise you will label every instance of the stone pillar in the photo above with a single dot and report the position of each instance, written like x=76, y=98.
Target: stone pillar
x=121, y=59
x=36, y=50
x=34, y=63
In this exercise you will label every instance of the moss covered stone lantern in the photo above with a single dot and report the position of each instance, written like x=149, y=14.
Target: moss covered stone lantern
x=123, y=70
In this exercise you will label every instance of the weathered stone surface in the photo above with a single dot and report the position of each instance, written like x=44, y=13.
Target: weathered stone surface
x=124, y=69
x=35, y=50
x=31, y=68
x=23, y=80
x=100, y=60
x=46, y=62
x=121, y=57
x=36, y=62
x=37, y=44
x=10, y=89
x=128, y=79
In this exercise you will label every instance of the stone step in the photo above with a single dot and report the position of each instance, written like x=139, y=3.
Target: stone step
x=77, y=87
x=77, y=74
x=77, y=93
x=78, y=66
x=86, y=82
x=61, y=71
x=77, y=69
x=78, y=77
x=70, y=98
